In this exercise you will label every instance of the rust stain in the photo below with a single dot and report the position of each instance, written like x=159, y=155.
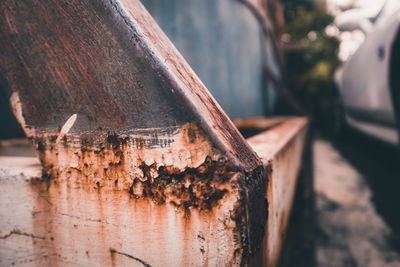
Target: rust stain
x=109, y=63
x=205, y=179
x=199, y=187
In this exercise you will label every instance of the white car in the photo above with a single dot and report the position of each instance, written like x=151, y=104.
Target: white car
x=369, y=81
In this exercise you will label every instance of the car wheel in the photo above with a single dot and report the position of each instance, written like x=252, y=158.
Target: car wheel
x=337, y=125
x=394, y=81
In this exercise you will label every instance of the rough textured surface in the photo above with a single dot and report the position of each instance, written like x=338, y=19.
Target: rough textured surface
x=206, y=210
x=281, y=150
x=125, y=131
x=211, y=215
x=70, y=221
x=109, y=104
x=61, y=224
x=109, y=63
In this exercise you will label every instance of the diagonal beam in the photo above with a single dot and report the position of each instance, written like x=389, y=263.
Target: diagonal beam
x=109, y=103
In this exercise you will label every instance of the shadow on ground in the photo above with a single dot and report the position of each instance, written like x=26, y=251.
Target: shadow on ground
x=379, y=165
x=299, y=248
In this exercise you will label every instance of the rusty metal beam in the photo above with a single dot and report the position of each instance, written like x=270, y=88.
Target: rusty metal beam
x=281, y=150
x=109, y=103
x=109, y=63
x=64, y=224
x=259, y=124
x=137, y=158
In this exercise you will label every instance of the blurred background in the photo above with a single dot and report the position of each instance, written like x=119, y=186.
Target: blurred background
x=342, y=65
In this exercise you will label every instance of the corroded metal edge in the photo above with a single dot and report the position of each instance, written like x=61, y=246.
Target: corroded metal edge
x=281, y=150
x=176, y=166
x=131, y=74
x=119, y=155
x=212, y=236
x=168, y=61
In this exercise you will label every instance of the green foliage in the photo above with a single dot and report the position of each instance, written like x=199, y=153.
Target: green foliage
x=306, y=20
x=311, y=55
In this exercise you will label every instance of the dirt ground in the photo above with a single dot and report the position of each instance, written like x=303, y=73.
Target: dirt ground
x=353, y=217
x=351, y=231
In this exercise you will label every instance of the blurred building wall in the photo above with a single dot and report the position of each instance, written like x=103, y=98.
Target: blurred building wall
x=223, y=42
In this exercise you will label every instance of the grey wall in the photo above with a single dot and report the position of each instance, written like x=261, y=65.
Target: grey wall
x=222, y=41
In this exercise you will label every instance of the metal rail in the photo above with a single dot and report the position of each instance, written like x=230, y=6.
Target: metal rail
x=136, y=154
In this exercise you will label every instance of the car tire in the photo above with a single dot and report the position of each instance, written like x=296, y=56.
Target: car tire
x=394, y=81
x=337, y=124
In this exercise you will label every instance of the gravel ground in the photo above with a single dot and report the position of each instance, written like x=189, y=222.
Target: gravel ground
x=350, y=230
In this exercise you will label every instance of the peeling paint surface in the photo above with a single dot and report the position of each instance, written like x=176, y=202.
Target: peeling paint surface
x=178, y=165
x=59, y=222
x=78, y=226
x=137, y=157
x=109, y=63
x=281, y=151
x=70, y=219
